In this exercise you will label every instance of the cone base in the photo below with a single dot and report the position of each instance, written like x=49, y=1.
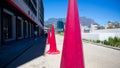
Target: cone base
x=53, y=52
x=47, y=44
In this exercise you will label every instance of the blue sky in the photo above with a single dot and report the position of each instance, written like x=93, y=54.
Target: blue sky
x=100, y=10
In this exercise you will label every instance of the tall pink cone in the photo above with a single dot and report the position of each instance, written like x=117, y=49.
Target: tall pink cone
x=53, y=47
x=48, y=38
x=72, y=54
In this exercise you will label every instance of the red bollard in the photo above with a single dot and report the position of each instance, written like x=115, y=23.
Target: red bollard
x=72, y=54
x=53, y=47
x=48, y=37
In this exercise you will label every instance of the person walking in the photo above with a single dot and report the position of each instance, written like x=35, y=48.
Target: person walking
x=35, y=33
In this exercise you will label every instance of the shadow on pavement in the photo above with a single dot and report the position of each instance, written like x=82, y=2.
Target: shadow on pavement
x=36, y=50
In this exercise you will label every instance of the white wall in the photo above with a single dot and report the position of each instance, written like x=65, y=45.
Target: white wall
x=101, y=34
x=107, y=31
x=91, y=36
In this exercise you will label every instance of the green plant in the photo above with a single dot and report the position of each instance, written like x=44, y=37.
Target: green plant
x=106, y=42
x=98, y=41
x=111, y=41
x=117, y=44
x=94, y=41
x=102, y=42
x=114, y=41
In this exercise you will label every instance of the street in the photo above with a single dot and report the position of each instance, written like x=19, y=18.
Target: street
x=100, y=57
x=94, y=57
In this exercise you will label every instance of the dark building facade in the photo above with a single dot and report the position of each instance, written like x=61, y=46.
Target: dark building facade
x=60, y=26
x=20, y=18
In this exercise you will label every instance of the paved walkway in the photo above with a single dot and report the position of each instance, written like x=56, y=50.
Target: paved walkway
x=95, y=57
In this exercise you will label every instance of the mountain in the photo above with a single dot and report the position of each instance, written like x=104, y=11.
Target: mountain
x=87, y=21
x=84, y=21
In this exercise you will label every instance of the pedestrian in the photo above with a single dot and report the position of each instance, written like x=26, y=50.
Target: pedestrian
x=35, y=33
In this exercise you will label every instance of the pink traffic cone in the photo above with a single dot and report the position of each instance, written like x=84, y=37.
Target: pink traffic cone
x=48, y=38
x=72, y=54
x=53, y=47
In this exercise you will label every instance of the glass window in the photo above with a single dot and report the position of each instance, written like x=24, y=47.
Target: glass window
x=32, y=30
x=7, y=26
x=25, y=29
x=34, y=1
x=18, y=28
x=28, y=29
x=30, y=5
x=0, y=25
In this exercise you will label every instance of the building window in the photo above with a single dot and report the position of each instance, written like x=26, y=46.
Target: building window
x=28, y=29
x=34, y=2
x=30, y=5
x=0, y=26
x=19, y=28
x=8, y=25
x=32, y=30
x=25, y=29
